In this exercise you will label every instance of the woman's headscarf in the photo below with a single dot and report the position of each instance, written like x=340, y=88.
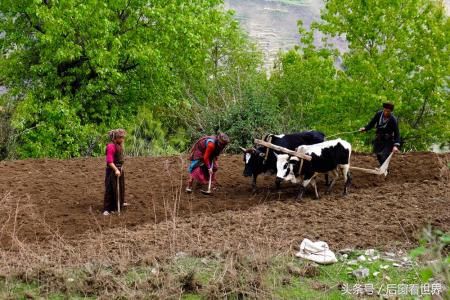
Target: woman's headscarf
x=116, y=133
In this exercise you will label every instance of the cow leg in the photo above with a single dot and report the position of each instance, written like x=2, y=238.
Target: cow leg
x=348, y=182
x=314, y=184
x=303, y=186
x=347, y=177
x=300, y=193
x=335, y=177
x=277, y=183
x=254, y=183
x=327, y=180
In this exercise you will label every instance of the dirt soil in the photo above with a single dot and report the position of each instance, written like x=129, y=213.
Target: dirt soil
x=44, y=199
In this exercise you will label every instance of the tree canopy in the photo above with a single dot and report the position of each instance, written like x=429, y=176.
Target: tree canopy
x=169, y=71
x=397, y=51
x=75, y=68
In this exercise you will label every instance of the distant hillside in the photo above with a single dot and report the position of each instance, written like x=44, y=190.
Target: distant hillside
x=273, y=24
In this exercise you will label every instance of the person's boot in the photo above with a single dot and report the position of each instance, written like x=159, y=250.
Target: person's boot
x=189, y=186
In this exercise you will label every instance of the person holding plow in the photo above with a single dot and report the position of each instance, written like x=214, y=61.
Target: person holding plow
x=114, y=198
x=203, y=159
x=387, y=138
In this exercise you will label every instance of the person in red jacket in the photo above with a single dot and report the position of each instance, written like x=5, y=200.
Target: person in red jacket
x=114, y=172
x=203, y=159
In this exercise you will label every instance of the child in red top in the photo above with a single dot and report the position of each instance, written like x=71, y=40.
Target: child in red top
x=114, y=172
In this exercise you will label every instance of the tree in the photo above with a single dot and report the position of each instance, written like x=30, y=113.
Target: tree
x=301, y=79
x=95, y=63
x=398, y=51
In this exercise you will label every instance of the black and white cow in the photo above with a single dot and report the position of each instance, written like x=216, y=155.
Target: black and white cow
x=328, y=157
x=259, y=160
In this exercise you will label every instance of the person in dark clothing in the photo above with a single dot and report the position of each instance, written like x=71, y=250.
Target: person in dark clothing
x=387, y=138
x=114, y=172
x=203, y=159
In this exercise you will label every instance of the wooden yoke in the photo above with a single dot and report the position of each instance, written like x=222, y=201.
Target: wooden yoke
x=282, y=149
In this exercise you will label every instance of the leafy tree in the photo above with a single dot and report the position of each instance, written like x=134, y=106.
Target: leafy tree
x=398, y=51
x=95, y=63
x=302, y=77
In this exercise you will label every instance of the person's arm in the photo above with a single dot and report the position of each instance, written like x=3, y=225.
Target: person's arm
x=110, y=151
x=371, y=123
x=113, y=166
x=208, y=154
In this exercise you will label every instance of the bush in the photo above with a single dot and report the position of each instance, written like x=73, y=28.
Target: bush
x=252, y=117
x=147, y=136
x=51, y=130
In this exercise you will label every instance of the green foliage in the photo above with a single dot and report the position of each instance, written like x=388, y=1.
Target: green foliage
x=300, y=82
x=74, y=68
x=148, y=137
x=433, y=249
x=255, y=115
x=170, y=71
x=398, y=51
x=53, y=119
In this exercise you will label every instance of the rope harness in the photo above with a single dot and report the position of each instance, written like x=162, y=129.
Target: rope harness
x=345, y=132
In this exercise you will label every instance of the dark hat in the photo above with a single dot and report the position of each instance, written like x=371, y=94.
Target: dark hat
x=388, y=105
x=223, y=138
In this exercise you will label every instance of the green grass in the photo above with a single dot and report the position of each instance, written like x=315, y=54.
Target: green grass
x=191, y=297
x=327, y=284
x=15, y=289
x=276, y=276
x=204, y=269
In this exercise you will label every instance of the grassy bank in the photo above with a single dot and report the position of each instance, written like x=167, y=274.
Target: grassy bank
x=218, y=276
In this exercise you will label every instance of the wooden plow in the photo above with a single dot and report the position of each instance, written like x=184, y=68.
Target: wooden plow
x=377, y=171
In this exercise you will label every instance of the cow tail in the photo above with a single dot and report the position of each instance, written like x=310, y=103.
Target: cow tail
x=349, y=154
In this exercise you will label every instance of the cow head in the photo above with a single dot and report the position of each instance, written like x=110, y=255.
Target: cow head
x=286, y=166
x=252, y=158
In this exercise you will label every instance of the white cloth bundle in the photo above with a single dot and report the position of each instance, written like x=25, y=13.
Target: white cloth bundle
x=318, y=252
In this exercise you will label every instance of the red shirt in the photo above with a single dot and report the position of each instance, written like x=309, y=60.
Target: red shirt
x=110, y=151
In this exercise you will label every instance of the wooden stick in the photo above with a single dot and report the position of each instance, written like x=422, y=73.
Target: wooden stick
x=282, y=149
x=377, y=171
x=208, y=192
x=118, y=194
x=370, y=171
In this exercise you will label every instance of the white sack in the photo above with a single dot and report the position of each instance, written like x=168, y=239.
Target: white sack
x=318, y=252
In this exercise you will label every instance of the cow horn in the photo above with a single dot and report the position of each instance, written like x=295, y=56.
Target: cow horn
x=243, y=149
